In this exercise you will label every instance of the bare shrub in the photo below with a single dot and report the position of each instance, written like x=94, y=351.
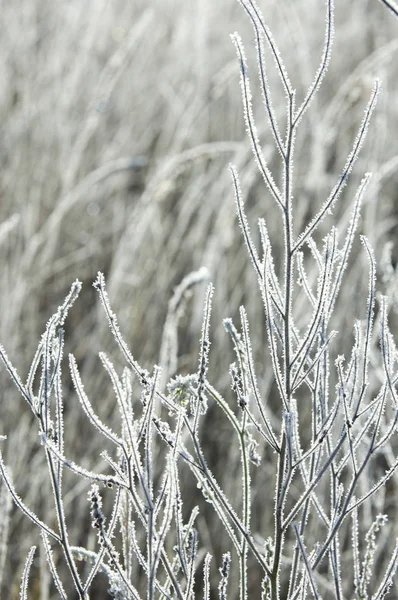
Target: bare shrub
x=308, y=414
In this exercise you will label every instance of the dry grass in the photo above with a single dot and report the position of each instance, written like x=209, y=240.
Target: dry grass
x=117, y=123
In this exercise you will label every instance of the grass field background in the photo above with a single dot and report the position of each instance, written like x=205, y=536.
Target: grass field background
x=117, y=123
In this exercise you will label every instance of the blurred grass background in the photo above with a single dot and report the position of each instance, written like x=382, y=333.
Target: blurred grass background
x=117, y=122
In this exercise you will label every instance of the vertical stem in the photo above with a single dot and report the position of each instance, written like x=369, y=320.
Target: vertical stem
x=284, y=468
x=278, y=522
x=246, y=509
x=288, y=246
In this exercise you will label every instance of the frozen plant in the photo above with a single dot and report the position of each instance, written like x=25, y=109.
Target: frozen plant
x=337, y=415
